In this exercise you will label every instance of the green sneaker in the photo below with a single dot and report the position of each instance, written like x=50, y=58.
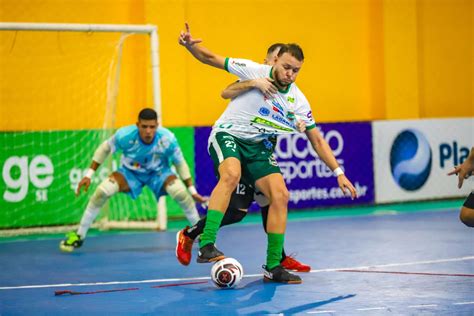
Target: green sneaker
x=72, y=241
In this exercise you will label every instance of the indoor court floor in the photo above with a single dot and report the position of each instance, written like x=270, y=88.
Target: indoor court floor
x=416, y=262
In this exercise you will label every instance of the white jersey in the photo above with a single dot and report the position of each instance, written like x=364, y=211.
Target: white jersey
x=252, y=116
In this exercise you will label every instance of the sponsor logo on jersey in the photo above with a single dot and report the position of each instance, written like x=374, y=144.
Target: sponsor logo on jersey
x=272, y=161
x=277, y=108
x=264, y=111
x=309, y=115
x=262, y=121
x=290, y=99
x=238, y=63
x=225, y=125
x=290, y=115
x=164, y=142
x=282, y=120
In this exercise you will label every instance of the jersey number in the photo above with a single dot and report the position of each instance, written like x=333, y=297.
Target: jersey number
x=240, y=189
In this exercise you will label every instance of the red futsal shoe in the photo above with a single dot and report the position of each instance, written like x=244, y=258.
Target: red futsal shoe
x=291, y=264
x=184, y=246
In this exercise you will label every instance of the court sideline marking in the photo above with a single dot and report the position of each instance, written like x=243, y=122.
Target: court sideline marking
x=245, y=276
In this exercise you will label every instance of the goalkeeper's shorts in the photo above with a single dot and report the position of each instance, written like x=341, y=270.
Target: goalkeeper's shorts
x=136, y=181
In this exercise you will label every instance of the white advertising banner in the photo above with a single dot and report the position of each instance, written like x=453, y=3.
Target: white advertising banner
x=412, y=158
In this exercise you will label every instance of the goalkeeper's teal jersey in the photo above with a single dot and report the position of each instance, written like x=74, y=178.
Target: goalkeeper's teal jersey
x=144, y=158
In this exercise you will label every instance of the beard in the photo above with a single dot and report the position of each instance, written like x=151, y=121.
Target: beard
x=280, y=83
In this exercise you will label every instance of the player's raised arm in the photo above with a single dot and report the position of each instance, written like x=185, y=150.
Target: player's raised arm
x=201, y=53
x=325, y=153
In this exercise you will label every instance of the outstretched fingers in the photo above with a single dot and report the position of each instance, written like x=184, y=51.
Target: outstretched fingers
x=348, y=189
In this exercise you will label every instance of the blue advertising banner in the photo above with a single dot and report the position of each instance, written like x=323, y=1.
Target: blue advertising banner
x=310, y=183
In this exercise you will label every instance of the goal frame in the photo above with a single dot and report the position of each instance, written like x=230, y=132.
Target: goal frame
x=147, y=29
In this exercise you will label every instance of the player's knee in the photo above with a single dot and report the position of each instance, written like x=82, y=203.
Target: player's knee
x=230, y=179
x=104, y=191
x=177, y=191
x=467, y=216
x=280, y=196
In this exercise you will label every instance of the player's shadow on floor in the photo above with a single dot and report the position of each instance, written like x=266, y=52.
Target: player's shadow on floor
x=268, y=291
x=257, y=292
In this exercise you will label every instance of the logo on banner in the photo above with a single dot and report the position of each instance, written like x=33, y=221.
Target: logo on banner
x=19, y=172
x=410, y=159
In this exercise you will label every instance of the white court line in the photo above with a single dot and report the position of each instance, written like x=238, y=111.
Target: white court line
x=463, y=303
x=398, y=264
x=370, y=308
x=245, y=276
x=423, y=305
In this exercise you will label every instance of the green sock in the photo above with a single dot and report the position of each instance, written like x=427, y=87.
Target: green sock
x=213, y=222
x=275, y=247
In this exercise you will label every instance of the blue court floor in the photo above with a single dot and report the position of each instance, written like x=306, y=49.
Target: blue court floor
x=415, y=263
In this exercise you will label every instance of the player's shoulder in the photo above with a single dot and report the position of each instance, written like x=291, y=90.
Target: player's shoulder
x=298, y=94
x=166, y=137
x=126, y=132
x=245, y=63
x=165, y=132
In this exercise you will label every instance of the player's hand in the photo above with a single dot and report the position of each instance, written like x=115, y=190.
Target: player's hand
x=463, y=172
x=346, y=186
x=186, y=39
x=198, y=198
x=300, y=126
x=266, y=86
x=85, y=182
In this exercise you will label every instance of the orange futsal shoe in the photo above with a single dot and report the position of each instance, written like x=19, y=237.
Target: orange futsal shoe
x=290, y=263
x=184, y=246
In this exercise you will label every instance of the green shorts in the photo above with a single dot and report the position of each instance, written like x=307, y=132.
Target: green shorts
x=256, y=159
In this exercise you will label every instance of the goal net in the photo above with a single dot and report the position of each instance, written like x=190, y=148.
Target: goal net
x=59, y=100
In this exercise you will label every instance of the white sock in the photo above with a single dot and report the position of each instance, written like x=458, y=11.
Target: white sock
x=180, y=194
x=104, y=191
x=87, y=219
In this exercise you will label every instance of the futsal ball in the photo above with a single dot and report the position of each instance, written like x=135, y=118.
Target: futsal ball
x=226, y=273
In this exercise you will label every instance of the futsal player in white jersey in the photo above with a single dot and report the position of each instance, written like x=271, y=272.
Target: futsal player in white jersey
x=147, y=154
x=245, y=193
x=237, y=146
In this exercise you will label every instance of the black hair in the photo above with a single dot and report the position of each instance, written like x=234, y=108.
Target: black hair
x=274, y=47
x=292, y=49
x=147, y=114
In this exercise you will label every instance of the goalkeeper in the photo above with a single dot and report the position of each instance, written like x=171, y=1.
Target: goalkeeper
x=147, y=151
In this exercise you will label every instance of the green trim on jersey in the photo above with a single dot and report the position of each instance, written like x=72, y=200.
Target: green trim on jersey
x=310, y=127
x=226, y=64
x=279, y=90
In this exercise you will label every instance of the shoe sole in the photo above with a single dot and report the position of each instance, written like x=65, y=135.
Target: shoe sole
x=200, y=260
x=265, y=279
x=296, y=270
x=64, y=248
x=176, y=250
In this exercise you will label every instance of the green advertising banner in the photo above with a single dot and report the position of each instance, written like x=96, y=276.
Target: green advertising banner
x=41, y=170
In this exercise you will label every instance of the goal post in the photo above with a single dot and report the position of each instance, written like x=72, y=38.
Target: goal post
x=41, y=165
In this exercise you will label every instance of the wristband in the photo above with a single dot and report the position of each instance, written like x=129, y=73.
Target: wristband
x=89, y=173
x=192, y=190
x=338, y=171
